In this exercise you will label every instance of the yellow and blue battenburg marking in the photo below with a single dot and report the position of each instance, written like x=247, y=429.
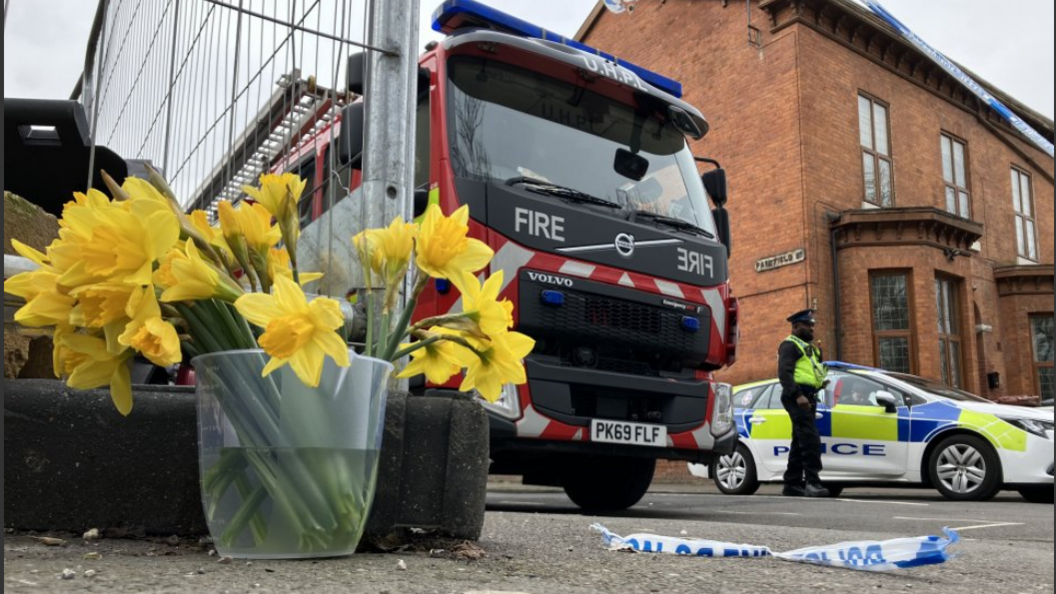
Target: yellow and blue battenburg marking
x=921, y=424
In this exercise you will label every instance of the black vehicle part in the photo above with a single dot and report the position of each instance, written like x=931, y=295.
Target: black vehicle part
x=49, y=153
x=607, y=484
x=1042, y=494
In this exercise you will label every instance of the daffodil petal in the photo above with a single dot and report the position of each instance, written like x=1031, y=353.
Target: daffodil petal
x=121, y=389
x=257, y=309
x=335, y=348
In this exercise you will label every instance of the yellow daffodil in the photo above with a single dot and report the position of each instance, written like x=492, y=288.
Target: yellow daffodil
x=369, y=257
x=296, y=332
x=214, y=236
x=231, y=227
x=279, y=265
x=482, y=305
x=445, y=250
x=194, y=279
x=111, y=244
x=100, y=305
x=256, y=226
x=148, y=333
x=500, y=363
x=279, y=194
x=87, y=364
x=165, y=276
x=47, y=308
x=439, y=361
x=393, y=247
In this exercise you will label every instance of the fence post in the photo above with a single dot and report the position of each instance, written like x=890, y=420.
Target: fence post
x=388, y=159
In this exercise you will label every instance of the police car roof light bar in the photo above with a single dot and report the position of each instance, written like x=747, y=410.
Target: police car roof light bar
x=454, y=16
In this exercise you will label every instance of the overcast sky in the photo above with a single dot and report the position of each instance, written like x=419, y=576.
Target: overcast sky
x=1009, y=43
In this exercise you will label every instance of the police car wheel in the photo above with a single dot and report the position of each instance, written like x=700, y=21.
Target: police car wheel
x=736, y=474
x=1041, y=494
x=966, y=468
x=607, y=484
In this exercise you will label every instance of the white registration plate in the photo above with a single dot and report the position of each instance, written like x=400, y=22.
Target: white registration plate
x=654, y=436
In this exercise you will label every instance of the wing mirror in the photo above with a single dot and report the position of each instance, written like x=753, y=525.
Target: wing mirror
x=889, y=401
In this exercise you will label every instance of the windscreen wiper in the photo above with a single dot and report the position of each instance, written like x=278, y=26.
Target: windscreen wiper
x=548, y=189
x=672, y=222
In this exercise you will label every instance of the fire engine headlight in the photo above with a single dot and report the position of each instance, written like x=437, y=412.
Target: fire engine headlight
x=508, y=405
x=722, y=420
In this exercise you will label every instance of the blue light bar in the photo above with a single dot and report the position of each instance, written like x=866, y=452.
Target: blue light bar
x=690, y=324
x=554, y=298
x=457, y=15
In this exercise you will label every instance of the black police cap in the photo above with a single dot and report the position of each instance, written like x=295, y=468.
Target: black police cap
x=804, y=317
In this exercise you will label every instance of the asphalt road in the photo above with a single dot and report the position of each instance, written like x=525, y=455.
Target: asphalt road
x=537, y=543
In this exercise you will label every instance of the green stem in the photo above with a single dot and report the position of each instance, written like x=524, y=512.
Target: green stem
x=244, y=515
x=383, y=332
x=370, y=321
x=421, y=344
x=257, y=524
x=200, y=331
x=400, y=331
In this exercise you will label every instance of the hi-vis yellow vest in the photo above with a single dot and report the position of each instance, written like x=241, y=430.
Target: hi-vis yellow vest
x=810, y=370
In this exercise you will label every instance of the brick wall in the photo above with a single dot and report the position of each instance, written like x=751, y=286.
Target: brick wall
x=784, y=122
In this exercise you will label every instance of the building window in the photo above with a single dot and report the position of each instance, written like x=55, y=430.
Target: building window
x=1026, y=224
x=1041, y=330
x=955, y=174
x=950, y=351
x=892, y=321
x=876, y=152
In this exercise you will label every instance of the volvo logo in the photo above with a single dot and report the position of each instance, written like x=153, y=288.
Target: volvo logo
x=551, y=279
x=625, y=245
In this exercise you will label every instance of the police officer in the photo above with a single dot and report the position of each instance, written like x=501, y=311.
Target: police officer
x=803, y=376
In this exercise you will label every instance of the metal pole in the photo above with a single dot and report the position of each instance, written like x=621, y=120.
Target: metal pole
x=388, y=155
x=167, y=149
x=390, y=97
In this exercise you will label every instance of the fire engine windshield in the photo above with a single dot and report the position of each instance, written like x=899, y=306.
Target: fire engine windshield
x=508, y=122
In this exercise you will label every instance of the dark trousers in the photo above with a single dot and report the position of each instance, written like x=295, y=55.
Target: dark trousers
x=804, y=461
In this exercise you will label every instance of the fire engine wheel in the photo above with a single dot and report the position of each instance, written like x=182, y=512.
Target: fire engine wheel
x=608, y=484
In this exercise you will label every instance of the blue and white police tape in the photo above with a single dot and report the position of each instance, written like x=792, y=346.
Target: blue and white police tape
x=862, y=556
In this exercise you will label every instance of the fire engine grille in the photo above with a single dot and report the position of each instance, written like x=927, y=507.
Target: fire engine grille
x=611, y=325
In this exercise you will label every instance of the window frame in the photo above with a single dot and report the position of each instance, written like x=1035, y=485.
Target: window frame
x=966, y=189
x=874, y=153
x=1038, y=365
x=909, y=334
x=1020, y=174
x=954, y=334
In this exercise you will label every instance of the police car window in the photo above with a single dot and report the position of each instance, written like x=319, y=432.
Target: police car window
x=856, y=390
x=771, y=400
x=746, y=398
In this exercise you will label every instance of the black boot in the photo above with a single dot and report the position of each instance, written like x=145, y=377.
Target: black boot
x=816, y=491
x=794, y=490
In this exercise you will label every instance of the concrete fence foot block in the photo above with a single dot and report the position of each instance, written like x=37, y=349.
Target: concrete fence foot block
x=72, y=463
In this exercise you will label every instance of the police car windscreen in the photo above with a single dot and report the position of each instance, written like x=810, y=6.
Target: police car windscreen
x=508, y=122
x=939, y=389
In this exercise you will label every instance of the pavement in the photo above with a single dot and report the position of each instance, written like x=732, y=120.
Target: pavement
x=537, y=542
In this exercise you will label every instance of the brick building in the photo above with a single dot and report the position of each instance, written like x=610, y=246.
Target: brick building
x=859, y=169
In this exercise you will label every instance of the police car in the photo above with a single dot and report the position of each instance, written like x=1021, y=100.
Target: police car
x=881, y=428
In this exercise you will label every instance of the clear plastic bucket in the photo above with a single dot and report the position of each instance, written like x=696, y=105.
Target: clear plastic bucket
x=288, y=471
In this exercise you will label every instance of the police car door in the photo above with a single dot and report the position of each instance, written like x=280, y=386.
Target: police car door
x=865, y=438
x=770, y=428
